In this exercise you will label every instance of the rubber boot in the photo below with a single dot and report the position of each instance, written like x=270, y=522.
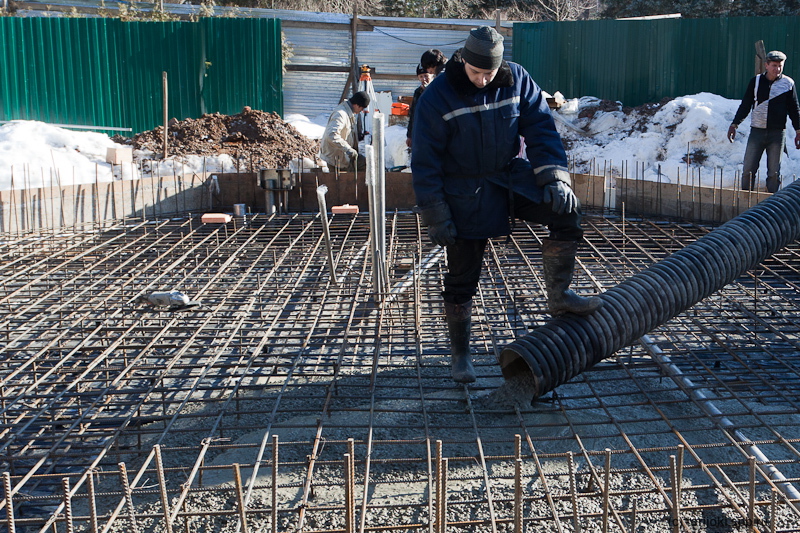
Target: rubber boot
x=558, y=258
x=459, y=321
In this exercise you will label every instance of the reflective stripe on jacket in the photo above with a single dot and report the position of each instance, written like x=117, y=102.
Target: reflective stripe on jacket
x=467, y=145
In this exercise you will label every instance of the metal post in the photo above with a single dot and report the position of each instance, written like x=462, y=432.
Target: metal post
x=606, y=489
x=573, y=490
x=374, y=223
x=676, y=509
x=67, y=505
x=237, y=475
x=274, y=484
x=166, y=110
x=123, y=475
x=378, y=129
x=518, y=503
x=9, y=503
x=751, y=505
x=349, y=495
x=323, y=215
x=162, y=485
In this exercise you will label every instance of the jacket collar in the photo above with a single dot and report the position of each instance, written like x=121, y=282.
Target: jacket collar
x=458, y=79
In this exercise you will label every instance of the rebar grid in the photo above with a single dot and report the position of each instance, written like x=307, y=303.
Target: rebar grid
x=288, y=403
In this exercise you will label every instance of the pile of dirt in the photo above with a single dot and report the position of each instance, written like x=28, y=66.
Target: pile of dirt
x=255, y=139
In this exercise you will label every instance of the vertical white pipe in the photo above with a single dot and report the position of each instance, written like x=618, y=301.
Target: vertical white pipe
x=369, y=154
x=378, y=135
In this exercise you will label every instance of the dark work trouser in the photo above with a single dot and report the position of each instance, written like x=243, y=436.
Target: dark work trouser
x=465, y=256
x=759, y=141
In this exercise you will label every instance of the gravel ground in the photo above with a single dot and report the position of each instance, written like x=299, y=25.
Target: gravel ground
x=399, y=491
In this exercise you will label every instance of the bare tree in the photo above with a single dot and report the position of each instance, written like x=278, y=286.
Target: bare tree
x=559, y=10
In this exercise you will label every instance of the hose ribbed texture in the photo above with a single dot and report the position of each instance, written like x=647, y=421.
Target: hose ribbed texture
x=566, y=346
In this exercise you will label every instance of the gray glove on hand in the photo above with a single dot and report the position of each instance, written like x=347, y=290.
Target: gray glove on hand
x=443, y=233
x=441, y=229
x=561, y=196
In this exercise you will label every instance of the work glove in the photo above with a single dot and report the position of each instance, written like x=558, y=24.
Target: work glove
x=441, y=229
x=443, y=233
x=561, y=196
x=731, y=133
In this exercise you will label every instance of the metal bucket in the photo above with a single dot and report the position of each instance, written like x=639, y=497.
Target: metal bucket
x=239, y=210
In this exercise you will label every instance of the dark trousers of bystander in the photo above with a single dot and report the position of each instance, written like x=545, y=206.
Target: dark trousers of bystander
x=763, y=140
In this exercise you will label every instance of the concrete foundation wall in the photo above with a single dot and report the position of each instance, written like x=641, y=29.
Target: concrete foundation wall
x=25, y=210
x=150, y=198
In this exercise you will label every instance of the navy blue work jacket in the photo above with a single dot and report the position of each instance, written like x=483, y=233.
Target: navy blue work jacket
x=466, y=147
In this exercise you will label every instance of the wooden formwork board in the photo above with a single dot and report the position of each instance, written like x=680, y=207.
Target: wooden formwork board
x=350, y=188
x=154, y=197
x=704, y=204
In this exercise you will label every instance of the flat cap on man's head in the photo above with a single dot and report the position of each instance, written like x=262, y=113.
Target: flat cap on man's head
x=361, y=98
x=776, y=55
x=484, y=48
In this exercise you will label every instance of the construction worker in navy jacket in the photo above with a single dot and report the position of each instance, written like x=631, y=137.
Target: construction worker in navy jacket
x=469, y=180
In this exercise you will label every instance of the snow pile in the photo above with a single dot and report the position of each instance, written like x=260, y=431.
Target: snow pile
x=661, y=137
x=35, y=154
x=662, y=141
x=30, y=151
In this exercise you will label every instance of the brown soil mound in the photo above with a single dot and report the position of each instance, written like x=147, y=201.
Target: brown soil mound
x=256, y=139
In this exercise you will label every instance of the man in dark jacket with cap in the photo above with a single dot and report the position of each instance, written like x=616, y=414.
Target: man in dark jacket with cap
x=772, y=96
x=469, y=179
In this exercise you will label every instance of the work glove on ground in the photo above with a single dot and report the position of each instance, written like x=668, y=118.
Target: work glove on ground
x=437, y=217
x=561, y=196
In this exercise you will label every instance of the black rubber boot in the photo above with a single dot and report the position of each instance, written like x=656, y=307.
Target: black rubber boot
x=558, y=258
x=459, y=321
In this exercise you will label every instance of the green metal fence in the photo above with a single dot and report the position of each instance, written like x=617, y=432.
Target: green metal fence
x=107, y=73
x=641, y=61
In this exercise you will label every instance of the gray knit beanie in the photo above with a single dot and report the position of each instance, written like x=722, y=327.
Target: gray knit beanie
x=484, y=48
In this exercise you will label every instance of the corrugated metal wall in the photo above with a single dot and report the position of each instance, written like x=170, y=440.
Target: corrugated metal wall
x=392, y=52
x=103, y=72
x=641, y=61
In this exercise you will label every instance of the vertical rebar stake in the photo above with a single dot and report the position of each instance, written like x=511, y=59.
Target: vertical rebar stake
x=606, y=489
x=351, y=450
x=349, y=490
x=162, y=487
x=439, y=490
x=675, y=494
x=92, y=502
x=237, y=476
x=751, y=507
x=633, y=515
x=573, y=491
x=773, y=510
x=123, y=475
x=518, y=495
x=10, y=503
x=518, y=503
x=679, y=477
x=274, y=484
x=443, y=523
x=67, y=506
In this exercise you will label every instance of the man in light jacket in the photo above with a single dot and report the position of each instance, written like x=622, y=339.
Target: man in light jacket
x=339, y=145
x=772, y=97
x=469, y=180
